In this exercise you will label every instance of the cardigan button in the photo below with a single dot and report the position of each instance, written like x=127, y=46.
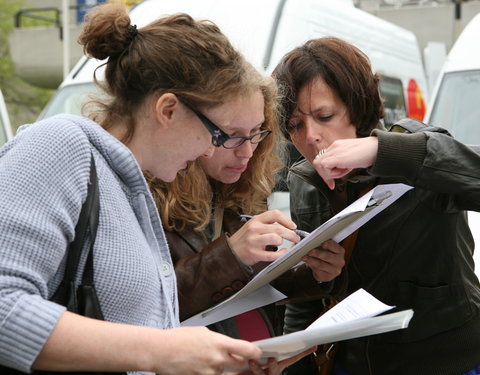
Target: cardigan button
x=166, y=269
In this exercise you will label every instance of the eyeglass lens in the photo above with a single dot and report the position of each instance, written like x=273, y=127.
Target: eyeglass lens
x=234, y=142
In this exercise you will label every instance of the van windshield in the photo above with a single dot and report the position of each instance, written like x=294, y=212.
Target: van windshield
x=457, y=107
x=70, y=99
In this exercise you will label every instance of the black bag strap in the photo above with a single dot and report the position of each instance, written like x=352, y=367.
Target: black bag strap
x=88, y=219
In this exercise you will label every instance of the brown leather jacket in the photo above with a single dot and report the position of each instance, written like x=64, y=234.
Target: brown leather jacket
x=208, y=273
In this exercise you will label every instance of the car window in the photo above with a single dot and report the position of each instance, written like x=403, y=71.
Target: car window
x=4, y=122
x=391, y=90
x=457, y=107
x=3, y=133
x=71, y=99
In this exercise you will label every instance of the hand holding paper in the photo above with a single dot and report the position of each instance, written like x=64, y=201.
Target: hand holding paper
x=351, y=318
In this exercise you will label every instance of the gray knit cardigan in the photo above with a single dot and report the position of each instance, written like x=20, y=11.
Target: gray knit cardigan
x=44, y=173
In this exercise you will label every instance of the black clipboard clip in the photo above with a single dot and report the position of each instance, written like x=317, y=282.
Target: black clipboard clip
x=377, y=201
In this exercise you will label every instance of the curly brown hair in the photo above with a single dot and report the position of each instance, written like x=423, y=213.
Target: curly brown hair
x=189, y=199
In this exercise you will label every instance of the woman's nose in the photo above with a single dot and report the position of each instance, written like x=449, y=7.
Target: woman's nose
x=312, y=132
x=246, y=149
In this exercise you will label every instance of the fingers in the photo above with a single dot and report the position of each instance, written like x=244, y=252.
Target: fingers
x=275, y=367
x=327, y=261
x=241, y=350
x=289, y=361
x=344, y=155
x=276, y=216
x=269, y=228
x=238, y=352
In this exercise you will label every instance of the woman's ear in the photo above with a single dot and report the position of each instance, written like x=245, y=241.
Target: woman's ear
x=166, y=107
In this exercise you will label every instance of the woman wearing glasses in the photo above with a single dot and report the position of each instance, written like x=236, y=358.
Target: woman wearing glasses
x=154, y=79
x=214, y=252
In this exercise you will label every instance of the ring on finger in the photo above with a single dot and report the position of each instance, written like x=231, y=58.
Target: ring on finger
x=323, y=151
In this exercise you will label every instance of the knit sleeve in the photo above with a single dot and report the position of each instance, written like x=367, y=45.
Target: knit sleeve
x=44, y=173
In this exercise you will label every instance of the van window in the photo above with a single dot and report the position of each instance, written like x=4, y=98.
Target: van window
x=70, y=99
x=391, y=90
x=457, y=107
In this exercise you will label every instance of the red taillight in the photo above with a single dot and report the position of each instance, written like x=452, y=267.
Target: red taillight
x=416, y=104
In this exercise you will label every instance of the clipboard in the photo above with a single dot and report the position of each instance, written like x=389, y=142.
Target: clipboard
x=337, y=228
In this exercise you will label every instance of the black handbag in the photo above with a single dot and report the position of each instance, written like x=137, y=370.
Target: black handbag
x=82, y=299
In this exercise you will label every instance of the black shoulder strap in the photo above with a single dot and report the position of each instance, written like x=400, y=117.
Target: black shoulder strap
x=88, y=220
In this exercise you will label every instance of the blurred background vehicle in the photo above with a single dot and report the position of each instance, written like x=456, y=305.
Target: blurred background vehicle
x=277, y=26
x=455, y=101
x=5, y=128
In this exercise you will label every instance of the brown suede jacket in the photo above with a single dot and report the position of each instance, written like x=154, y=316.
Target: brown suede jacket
x=208, y=273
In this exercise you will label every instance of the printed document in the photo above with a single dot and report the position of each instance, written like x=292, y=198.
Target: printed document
x=353, y=317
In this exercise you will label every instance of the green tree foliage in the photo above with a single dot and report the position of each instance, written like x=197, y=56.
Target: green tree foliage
x=24, y=101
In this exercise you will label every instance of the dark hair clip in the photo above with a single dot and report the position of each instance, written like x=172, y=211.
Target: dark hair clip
x=131, y=32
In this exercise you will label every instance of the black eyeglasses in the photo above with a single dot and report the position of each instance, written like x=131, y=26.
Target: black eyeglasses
x=220, y=138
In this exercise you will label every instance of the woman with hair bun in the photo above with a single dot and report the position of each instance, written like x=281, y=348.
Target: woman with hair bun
x=157, y=79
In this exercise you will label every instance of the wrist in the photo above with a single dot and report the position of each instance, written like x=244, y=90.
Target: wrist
x=248, y=269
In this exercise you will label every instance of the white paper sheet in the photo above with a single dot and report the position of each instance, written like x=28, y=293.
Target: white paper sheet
x=286, y=346
x=258, y=298
x=358, y=305
x=353, y=317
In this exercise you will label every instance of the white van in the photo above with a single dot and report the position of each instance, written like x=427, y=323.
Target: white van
x=5, y=128
x=455, y=101
x=265, y=30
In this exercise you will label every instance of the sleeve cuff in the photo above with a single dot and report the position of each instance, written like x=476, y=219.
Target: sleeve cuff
x=399, y=154
x=26, y=330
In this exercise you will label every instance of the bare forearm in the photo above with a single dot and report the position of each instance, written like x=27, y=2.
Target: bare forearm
x=79, y=343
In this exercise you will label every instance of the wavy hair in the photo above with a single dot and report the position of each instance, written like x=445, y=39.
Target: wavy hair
x=191, y=197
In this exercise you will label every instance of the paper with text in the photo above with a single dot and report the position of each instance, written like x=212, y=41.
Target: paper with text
x=358, y=305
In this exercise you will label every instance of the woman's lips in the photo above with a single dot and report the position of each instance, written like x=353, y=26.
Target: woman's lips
x=239, y=169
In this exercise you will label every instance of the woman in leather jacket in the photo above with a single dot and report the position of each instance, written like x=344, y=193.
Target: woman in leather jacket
x=214, y=252
x=417, y=253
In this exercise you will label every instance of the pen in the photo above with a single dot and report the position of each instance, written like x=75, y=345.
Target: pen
x=300, y=233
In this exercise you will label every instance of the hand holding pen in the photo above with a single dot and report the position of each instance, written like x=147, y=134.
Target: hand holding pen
x=269, y=228
x=326, y=261
x=301, y=233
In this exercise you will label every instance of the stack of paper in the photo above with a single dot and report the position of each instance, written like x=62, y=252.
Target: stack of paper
x=351, y=318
